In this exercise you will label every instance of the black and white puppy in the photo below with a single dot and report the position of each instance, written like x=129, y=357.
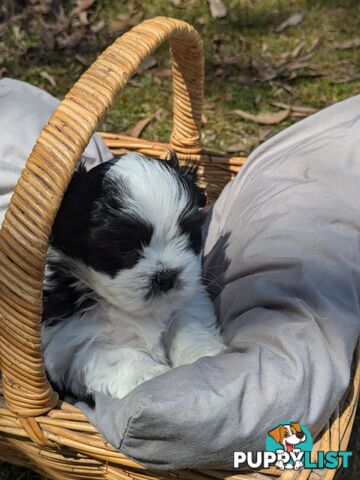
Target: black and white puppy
x=123, y=272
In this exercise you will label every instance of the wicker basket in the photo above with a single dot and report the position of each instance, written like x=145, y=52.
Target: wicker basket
x=37, y=430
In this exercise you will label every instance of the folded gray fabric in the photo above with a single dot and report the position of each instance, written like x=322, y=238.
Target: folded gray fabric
x=24, y=110
x=283, y=251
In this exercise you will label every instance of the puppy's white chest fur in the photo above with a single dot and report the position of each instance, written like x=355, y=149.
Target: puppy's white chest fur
x=107, y=329
x=109, y=351
x=144, y=333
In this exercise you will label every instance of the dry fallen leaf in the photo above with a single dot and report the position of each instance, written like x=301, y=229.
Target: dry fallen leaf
x=263, y=70
x=265, y=133
x=237, y=148
x=285, y=56
x=41, y=8
x=81, y=60
x=149, y=62
x=144, y=122
x=264, y=118
x=291, y=21
x=283, y=87
x=68, y=41
x=176, y=3
x=225, y=66
x=124, y=22
x=83, y=17
x=298, y=115
x=49, y=78
x=307, y=74
x=18, y=34
x=297, y=50
x=258, y=99
x=294, y=108
x=314, y=45
x=81, y=5
x=209, y=135
x=346, y=79
x=97, y=27
x=350, y=44
x=139, y=127
x=217, y=9
x=164, y=72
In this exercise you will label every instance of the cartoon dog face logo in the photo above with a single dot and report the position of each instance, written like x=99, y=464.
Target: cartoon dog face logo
x=288, y=435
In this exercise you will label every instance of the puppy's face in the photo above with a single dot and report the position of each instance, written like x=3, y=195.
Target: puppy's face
x=132, y=229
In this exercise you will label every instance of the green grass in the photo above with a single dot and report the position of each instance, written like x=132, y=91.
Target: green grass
x=248, y=32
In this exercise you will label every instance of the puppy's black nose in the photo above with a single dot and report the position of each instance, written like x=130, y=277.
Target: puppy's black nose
x=299, y=435
x=164, y=280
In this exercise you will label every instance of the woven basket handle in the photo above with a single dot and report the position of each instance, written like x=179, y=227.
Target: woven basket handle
x=38, y=194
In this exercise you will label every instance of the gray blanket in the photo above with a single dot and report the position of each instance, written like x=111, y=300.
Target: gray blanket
x=24, y=110
x=282, y=258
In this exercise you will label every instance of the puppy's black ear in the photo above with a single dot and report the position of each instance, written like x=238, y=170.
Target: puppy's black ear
x=173, y=161
x=73, y=218
x=190, y=173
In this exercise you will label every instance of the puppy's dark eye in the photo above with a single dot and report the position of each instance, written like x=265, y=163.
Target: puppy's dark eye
x=129, y=259
x=111, y=261
x=191, y=226
x=117, y=244
x=132, y=236
x=202, y=200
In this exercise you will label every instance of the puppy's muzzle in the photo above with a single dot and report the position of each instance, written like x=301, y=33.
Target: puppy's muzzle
x=165, y=280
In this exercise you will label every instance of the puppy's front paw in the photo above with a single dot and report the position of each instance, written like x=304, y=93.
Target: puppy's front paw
x=216, y=347
x=123, y=388
x=185, y=354
x=212, y=349
x=154, y=372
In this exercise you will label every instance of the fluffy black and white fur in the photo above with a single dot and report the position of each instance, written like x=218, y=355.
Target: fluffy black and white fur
x=123, y=273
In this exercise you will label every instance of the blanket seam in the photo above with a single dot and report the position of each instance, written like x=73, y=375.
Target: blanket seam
x=128, y=426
